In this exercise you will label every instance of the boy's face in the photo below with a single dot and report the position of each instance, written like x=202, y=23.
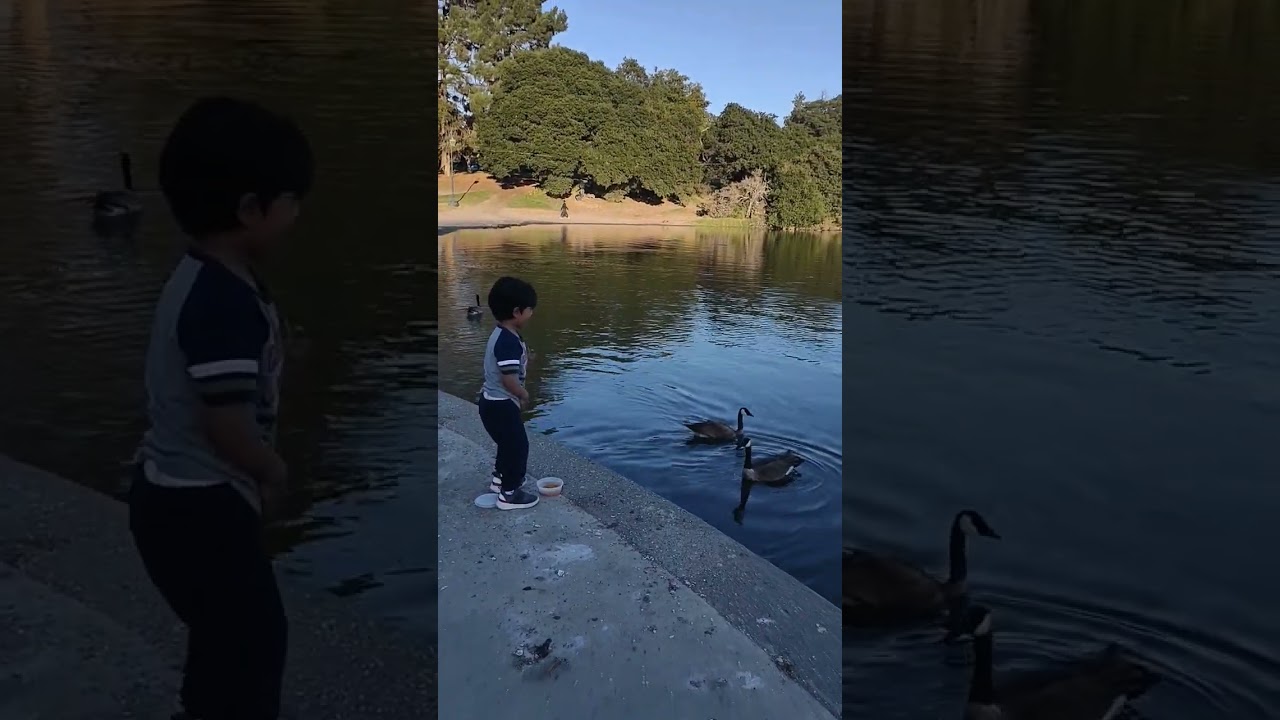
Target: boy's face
x=521, y=316
x=266, y=226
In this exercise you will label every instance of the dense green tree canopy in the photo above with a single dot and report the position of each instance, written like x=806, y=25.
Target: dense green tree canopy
x=474, y=37
x=738, y=142
x=810, y=165
x=554, y=116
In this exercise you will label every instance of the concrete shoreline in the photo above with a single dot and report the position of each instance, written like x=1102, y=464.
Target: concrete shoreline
x=84, y=636
x=701, y=626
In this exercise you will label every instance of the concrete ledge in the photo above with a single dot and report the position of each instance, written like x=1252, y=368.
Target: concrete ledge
x=69, y=573
x=798, y=630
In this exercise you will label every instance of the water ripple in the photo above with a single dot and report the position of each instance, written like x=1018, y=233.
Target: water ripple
x=631, y=342
x=1062, y=274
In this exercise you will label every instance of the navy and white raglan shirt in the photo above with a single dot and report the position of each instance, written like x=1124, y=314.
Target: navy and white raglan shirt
x=505, y=354
x=215, y=341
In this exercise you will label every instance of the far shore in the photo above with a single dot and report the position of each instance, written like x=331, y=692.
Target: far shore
x=486, y=203
x=465, y=218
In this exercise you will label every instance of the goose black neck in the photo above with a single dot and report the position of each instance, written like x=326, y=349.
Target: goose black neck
x=746, y=458
x=126, y=170
x=959, y=555
x=982, y=685
x=740, y=411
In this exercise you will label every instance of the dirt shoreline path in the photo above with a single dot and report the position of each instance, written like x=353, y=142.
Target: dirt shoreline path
x=484, y=202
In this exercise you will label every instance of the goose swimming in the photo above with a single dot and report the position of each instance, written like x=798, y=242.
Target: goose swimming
x=1095, y=687
x=883, y=590
x=716, y=431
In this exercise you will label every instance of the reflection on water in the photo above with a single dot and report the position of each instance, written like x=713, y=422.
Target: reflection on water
x=640, y=329
x=1064, y=276
x=80, y=82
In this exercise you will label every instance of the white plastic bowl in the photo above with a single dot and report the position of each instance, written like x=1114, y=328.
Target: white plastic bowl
x=487, y=501
x=550, y=486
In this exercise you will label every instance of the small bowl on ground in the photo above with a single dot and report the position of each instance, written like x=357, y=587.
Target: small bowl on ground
x=550, y=486
x=487, y=501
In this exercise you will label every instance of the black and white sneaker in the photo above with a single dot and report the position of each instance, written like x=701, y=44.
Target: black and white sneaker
x=517, y=499
x=495, y=483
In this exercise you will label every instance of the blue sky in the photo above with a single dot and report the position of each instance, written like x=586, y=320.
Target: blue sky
x=755, y=53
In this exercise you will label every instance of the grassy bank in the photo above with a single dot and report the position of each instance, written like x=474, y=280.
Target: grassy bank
x=483, y=199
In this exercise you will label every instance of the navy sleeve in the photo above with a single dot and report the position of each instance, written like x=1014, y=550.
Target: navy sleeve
x=509, y=351
x=222, y=332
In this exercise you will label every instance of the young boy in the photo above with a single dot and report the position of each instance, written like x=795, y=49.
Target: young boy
x=233, y=174
x=506, y=360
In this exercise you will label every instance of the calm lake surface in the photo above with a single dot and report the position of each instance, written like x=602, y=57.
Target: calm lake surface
x=1062, y=263
x=79, y=83
x=640, y=329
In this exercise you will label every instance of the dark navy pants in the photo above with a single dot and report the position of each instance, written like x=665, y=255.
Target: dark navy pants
x=203, y=549
x=504, y=424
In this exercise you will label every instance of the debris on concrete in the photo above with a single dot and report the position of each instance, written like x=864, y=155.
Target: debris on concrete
x=612, y=645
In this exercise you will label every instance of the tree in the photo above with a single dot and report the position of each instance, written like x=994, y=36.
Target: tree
x=797, y=199
x=817, y=128
x=738, y=143
x=475, y=37
x=807, y=185
x=558, y=115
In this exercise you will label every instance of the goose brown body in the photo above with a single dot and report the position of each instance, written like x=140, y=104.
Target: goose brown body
x=774, y=471
x=1094, y=687
x=770, y=470
x=716, y=431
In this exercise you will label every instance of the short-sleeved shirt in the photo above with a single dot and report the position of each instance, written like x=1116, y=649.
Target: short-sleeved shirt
x=215, y=341
x=505, y=354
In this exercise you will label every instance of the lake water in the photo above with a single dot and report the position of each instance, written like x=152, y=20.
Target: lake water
x=640, y=329
x=1062, y=264
x=81, y=82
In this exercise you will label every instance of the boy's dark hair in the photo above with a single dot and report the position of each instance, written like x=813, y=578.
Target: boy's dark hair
x=222, y=149
x=509, y=294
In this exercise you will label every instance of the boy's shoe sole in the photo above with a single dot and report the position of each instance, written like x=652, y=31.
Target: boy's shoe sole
x=506, y=505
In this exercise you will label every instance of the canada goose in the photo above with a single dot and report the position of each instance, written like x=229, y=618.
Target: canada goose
x=774, y=471
x=716, y=431
x=1095, y=687
x=882, y=590
x=111, y=205
x=475, y=311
